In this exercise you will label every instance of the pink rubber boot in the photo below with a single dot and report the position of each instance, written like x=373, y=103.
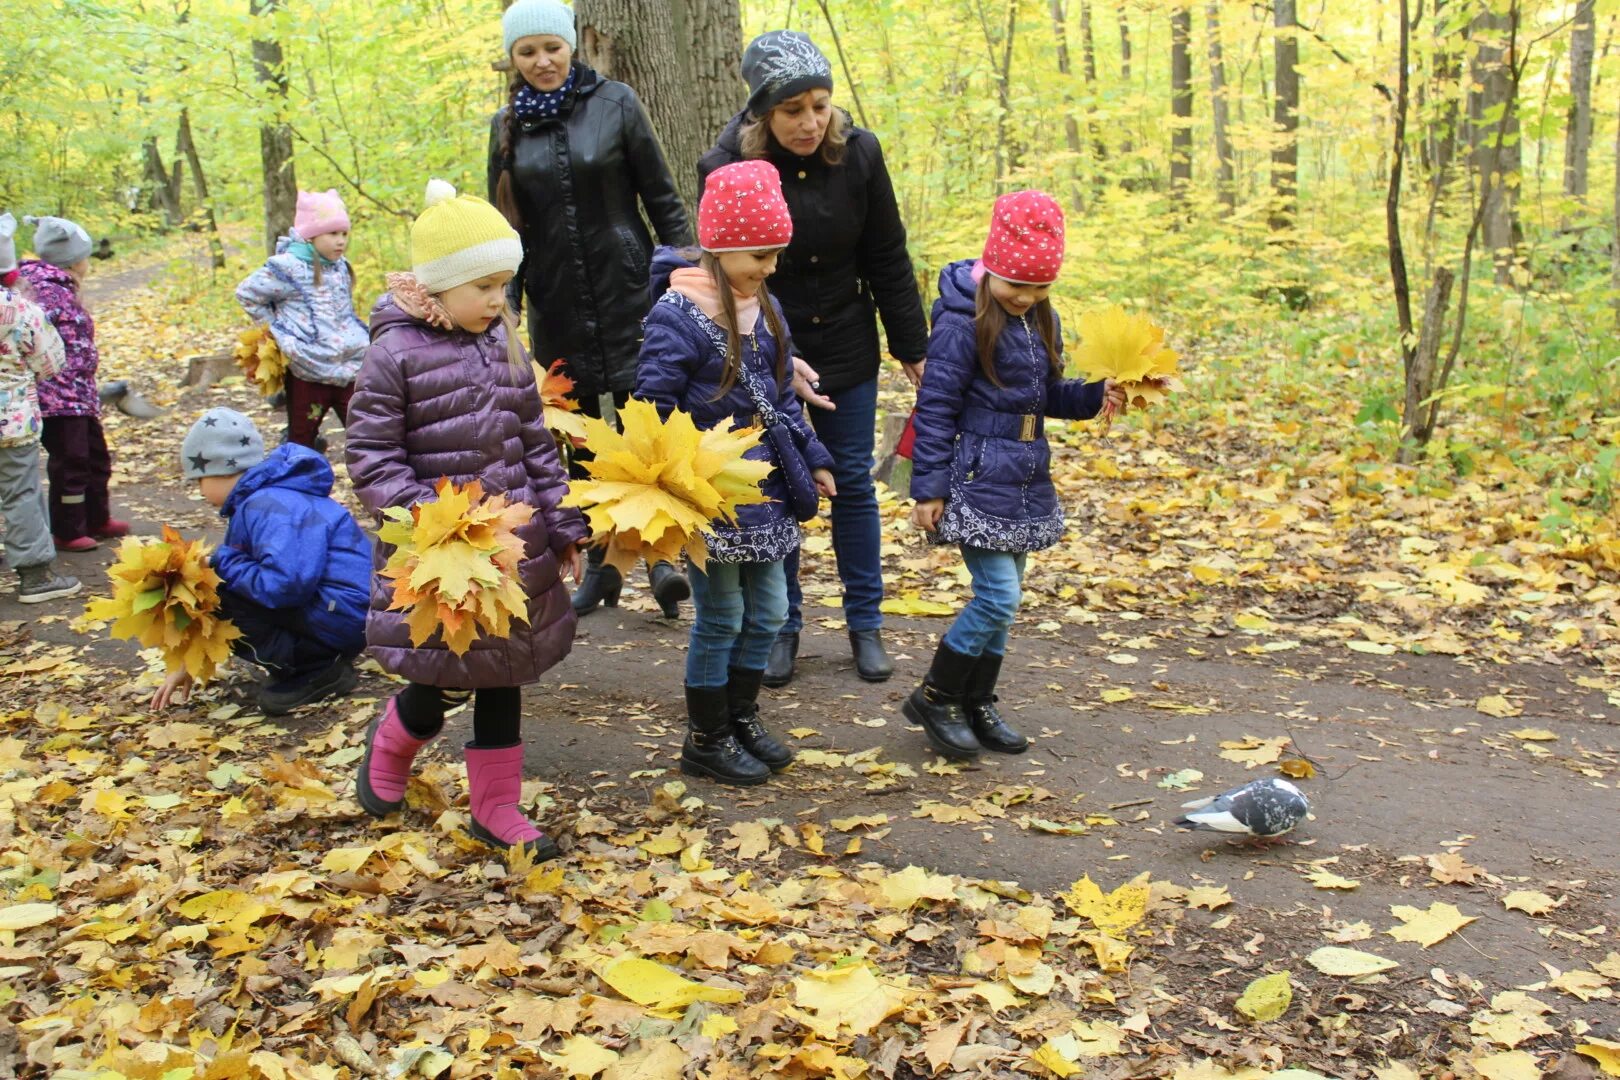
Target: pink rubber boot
x=494, y=786
x=386, y=768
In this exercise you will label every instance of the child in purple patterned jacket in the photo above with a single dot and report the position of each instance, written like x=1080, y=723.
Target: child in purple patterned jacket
x=80, y=468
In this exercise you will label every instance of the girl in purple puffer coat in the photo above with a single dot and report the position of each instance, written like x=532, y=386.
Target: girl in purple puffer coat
x=981, y=468
x=446, y=390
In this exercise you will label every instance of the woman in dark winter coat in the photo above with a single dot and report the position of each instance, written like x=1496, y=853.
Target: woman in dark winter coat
x=981, y=464
x=572, y=163
x=847, y=264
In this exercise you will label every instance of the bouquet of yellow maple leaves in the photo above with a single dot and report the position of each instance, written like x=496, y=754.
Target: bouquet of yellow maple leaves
x=166, y=596
x=654, y=489
x=563, y=419
x=260, y=359
x=455, y=564
x=1130, y=349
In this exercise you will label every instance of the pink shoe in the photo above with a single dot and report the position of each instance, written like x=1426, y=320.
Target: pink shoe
x=494, y=786
x=111, y=529
x=77, y=543
x=386, y=768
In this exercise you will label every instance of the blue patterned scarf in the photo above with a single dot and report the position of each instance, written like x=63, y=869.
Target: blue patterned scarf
x=532, y=104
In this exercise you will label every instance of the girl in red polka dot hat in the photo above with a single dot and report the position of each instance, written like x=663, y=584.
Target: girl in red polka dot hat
x=980, y=462
x=716, y=347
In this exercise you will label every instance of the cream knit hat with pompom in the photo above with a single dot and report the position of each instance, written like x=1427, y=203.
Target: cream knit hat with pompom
x=460, y=238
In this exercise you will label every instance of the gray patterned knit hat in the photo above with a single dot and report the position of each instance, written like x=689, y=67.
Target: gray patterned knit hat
x=60, y=242
x=781, y=64
x=223, y=443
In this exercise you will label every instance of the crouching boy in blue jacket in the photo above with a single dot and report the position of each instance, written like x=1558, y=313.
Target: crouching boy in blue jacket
x=296, y=569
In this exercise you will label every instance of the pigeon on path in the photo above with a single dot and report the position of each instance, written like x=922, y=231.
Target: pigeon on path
x=1260, y=808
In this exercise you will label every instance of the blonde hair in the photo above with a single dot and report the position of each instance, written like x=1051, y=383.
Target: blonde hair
x=755, y=140
x=734, y=335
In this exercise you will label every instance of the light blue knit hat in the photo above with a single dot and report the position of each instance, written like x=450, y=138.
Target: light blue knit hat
x=529, y=17
x=59, y=241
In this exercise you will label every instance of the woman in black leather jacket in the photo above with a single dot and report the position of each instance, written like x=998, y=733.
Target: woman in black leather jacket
x=572, y=162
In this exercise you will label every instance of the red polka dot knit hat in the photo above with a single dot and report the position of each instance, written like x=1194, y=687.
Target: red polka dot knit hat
x=743, y=209
x=1025, y=245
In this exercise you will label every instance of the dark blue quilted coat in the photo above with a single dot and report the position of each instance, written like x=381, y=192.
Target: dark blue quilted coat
x=682, y=361
x=288, y=544
x=981, y=447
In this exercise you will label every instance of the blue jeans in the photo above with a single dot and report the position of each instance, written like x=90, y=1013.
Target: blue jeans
x=737, y=610
x=982, y=625
x=849, y=434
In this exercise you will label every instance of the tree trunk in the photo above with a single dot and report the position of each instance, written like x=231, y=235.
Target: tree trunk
x=275, y=137
x=1446, y=75
x=1088, y=45
x=712, y=31
x=164, y=196
x=1578, y=132
x=1614, y=250
x=186, y=146
x=1496, y=159
x=1071, y=123
x=1285, y=115
x=1006, y=154
x=1226, y=174
x=1181, y=102
x=1125, y=147
x=633, y=41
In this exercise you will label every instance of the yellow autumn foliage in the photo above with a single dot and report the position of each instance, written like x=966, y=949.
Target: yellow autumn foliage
x=455, y=564
x=563, y=418
x=655, y=489
x=260, y=359
x=1128, y=348
x=166, y=596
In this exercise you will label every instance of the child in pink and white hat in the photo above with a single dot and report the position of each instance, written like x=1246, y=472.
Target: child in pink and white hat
x=981, y=466
x=305, y=294
x=716, y=348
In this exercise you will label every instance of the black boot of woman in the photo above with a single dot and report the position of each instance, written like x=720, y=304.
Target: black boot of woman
x=669, y=588
x=601, y=585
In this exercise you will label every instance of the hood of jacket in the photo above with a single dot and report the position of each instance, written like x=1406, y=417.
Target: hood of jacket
x=665, y=261
x=38, y=272
x=958, y=292
x=291, y=466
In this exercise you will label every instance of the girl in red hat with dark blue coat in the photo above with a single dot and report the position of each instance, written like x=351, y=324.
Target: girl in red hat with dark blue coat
x=981, y=464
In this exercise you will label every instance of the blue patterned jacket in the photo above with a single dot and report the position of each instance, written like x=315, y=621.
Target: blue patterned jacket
x=314, y=325
x=982, y=447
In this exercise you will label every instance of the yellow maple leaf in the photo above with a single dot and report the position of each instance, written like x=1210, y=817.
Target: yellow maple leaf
x=1602, y=1051
x=261, y=360
x=1118, y=345
x=454, y=565
x=849, y=998
x=657, y=486
x=562, y=415
x=660, y=989
x=1426, y=928
x=165, y=596
x=581, y=1056
x=1112, y=913
x=1266, y=998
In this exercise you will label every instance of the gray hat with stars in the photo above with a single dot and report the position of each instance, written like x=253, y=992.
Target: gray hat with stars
x=223, y=443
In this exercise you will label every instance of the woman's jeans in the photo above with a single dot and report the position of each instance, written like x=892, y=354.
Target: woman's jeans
x=982, y=626
x=849, y=434
x=738, y=608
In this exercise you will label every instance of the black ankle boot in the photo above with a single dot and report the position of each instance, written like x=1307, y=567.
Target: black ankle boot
x=936, y=705
x=872, y=661
x=669, y=588
x=979, y=700
x=711, y=749
x=743, y=694
x=784, y=651
x=601, y=585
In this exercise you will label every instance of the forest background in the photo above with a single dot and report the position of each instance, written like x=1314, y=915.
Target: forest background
x=1381, y=242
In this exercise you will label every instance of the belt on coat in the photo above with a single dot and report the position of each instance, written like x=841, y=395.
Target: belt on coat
x=1024, y=427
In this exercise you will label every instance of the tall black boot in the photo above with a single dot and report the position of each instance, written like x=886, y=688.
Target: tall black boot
x=601, y=585
x=872, y=661
x=669, y=588
x=936, y=705
x=711, y=749
x=743, y=694
x=979, y=700
x=784, y=654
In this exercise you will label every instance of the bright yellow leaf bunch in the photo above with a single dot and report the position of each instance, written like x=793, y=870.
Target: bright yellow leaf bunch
x=656, y=488
x=165, y=595
x=562, y=411
x=1130, y=349
x=455, y=564
x=260, y=359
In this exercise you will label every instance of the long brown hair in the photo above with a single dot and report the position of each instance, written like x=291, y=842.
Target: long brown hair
x=755, y=140
x=728, y=307
x=990, y=319
x=505, y=197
